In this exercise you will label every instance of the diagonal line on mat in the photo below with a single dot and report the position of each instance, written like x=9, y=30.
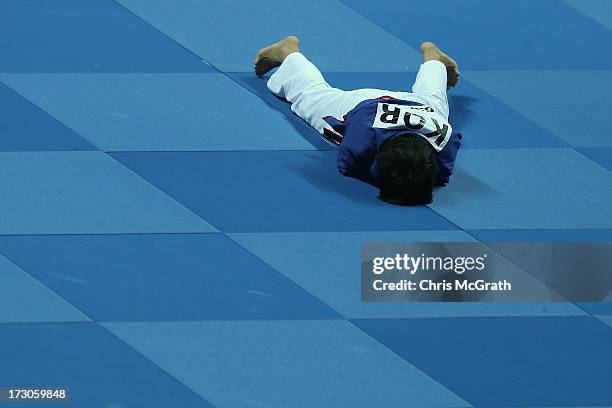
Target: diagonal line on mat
x=193, y=53
x=44, y=112
x=92, y=321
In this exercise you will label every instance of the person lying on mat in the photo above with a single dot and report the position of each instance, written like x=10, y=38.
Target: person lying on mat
x=400, y=142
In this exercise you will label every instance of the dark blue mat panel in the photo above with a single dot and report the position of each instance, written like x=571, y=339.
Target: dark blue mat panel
x=328, y=30
x=24, y=299
x=518, y=362
x=484, y=121
x=533, y=189
x=24, y=126
x=161, y=111
x=598, y=10
x=274, y=191
x=85, y=36
x=566, y=103
x=298, y=364
x=313, y=261
x=537, y=235
x=502, y=34
x=602, y=156
x=98, y=369
x=83, y=192
x=161, y=277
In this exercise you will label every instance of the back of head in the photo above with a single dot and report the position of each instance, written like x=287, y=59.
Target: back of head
x=407, y=169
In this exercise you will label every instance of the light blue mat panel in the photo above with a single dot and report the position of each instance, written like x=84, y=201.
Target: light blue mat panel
x=501, y=34
x=160, y=111
x=484, y=121
x=544, y=371
x=569, y=104
x=24, y=299
x=87, y=359
x=533, y=189
x=275, y=191
x=83, y=192
x=162, y=277
x=333, y=35
x=598, y=10
x=24, y=127
x=290, y=364
x=85, y=36
x=328, y=265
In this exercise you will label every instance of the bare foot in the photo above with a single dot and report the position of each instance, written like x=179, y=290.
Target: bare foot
x=432, y=52
x=272, y=56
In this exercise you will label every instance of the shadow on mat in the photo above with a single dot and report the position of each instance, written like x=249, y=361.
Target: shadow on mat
x=319, y=170
x=461, y=111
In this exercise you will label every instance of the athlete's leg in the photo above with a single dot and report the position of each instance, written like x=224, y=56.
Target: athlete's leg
x=311, y=97
x=438, y=73
x=300, y=83
x=273, y=55
x=432, y=53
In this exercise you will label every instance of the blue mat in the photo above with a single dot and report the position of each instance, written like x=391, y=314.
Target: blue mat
x=447, y=348
x=229, y=33
x=597, y=308
x=258, y=87
x=602, y=156
x=542, y=235
x=320, y=198
x=501, y=34
x=564, y=102
x=210, y=357
x=83, y=192
x=534, y=189
x=598, y=10
x=85, y=36
x=160, y=112
x=311, y=260
x=174, y=277
x=86, y=358
x=25, y=127
x=25, y=299
x=172, y=235
x=606, y=319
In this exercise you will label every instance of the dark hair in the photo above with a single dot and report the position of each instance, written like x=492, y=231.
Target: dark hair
x=407, y=170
